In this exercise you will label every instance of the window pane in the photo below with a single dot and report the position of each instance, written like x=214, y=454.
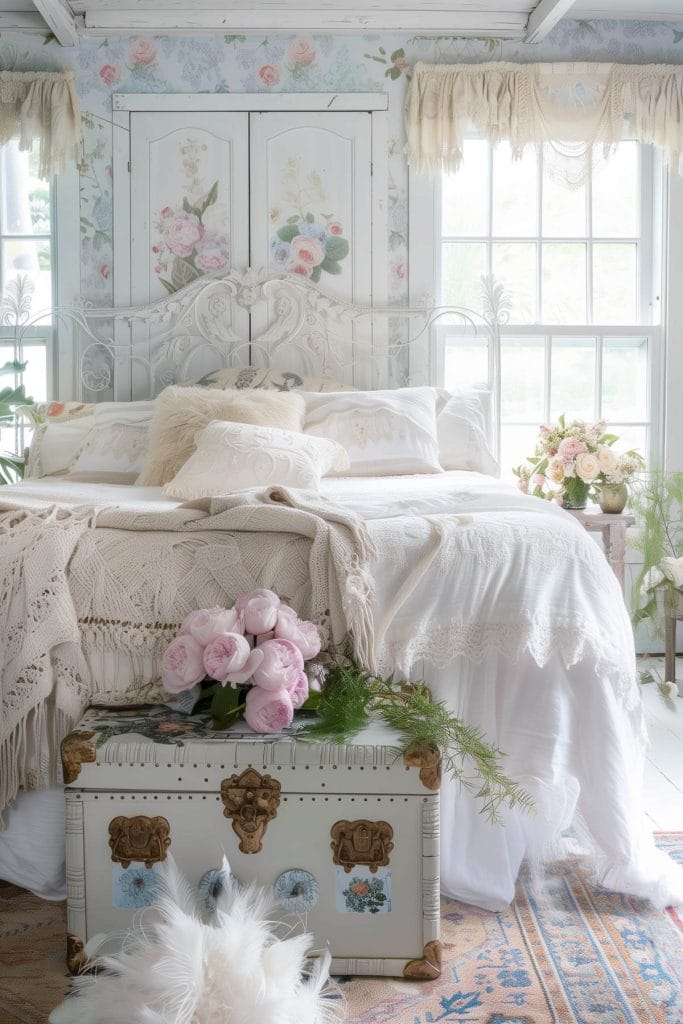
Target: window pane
x=615, y=284
x=25, y=197
x=615, y=193
x=564, y=209
x=28, y=261
x=631, y=438
x=463, y=265
x=522, y=379
x=515, y=192
x=465, y=362
x=564, y=283
x=465, y=194
x=572, y=387
x=514, y=264
x=517, y=443
x=624, y=378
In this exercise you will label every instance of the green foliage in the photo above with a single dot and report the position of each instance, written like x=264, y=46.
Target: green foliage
x=657, y=503
x=351, y=698
x=289, y=231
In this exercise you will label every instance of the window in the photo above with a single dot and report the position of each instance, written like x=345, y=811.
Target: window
x=26, y=261
x=582, y=271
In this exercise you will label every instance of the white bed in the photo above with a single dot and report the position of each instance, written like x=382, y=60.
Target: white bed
x=502, y=603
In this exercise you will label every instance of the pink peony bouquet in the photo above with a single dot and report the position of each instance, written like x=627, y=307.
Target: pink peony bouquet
x=261, y=644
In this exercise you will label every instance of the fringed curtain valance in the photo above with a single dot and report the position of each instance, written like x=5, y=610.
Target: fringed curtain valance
x=569, y=107
x=42, y=107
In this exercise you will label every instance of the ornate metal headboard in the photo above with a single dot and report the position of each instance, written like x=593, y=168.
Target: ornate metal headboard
x=277, y=320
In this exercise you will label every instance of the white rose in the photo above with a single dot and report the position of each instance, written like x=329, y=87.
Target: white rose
x=607, y=458
x=673, y=570
x=555, y=470
x=587, y=467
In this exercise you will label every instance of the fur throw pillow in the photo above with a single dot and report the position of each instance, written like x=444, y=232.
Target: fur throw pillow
x=181, y=412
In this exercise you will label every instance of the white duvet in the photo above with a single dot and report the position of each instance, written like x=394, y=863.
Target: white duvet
x=509, y=611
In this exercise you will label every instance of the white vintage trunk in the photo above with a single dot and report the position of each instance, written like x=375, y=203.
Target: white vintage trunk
x=182, y=793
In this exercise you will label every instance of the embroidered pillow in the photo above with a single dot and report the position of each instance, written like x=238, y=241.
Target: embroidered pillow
x=116, y=448
x=54, y=445
x=181, y=412
x=255, y=377
x=462, y=429
x=235, y=456
x=386, y=433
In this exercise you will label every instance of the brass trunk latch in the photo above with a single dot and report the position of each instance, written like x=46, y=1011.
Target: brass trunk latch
x=363, y=842
x=251, y=800
x=140, y=839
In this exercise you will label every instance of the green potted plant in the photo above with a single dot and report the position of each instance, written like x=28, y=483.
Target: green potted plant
x=657, y=502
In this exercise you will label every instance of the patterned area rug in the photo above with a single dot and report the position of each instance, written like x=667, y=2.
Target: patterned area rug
x=565, y=953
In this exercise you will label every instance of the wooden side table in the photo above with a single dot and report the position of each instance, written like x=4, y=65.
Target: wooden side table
x=613, y=528
x=673, y=613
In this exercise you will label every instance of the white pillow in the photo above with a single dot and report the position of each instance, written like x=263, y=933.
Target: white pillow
x=55, y=445
x=386, y=433
x=113, y=448
x=463, y=433
x=235, y=456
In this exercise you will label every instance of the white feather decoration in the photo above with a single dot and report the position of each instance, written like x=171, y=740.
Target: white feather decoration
x=176, y=968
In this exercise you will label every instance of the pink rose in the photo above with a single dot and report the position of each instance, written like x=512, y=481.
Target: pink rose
x=184, y=233
x=213, y=254
x=298, y=692
x=166, y=212
x=523, y=486
x=335, y=228
x=155, y=248
x=157, y=269
x=306, y=250
x=538, y=480
x=281, y=666
x=401, y=63
x=182, y=664
x=301, y=269
x=105, y=271
x=227, y=653
x=110, y=74
x=400, y=271
x=301, y=632
x=206, y=623
x=268, y=710
x=301, y=52
x=269, y=74
x=570, y=447
x=142, y=53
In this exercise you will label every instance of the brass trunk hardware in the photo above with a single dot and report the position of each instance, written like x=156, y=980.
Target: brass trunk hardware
x=426, y=757
x=356, y=843
x=251, y=800
x=428, y=966
x=77, y=960
x=139, y=839
x=76, y=749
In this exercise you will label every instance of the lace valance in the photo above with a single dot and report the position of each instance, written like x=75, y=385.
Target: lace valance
x=571, y=108
x=43, y=107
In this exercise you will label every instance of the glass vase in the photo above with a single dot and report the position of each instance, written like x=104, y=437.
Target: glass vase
x=612, y=498
x=575, y=493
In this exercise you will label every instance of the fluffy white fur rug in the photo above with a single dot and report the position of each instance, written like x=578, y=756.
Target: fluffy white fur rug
x=177, y=969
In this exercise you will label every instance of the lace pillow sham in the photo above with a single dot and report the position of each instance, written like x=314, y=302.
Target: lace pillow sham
x=235, y=456
x=113, y=448
x=181, y=412
x=386, y=433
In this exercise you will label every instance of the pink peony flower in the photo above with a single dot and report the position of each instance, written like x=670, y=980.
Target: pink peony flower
x=301, y=632
x=301, y=269
x=110, y=74
x=268, y=710
x=227, y=653
x=335, y=228
x=269, y=74
x=238, y=678
x=308, y=251
x=282, y=663
x=183, y=233
x=142, y=53
x=298, y=692
x=570, y=447
x=301, y=52
x=166, y=212
x=182, y=664
x=243, y=601
x=213, y=254
x=206, y=623
x=259, y=615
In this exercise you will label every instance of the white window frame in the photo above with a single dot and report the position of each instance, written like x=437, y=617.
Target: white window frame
x=659, y=189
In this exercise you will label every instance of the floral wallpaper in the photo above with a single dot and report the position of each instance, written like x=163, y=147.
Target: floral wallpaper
x=283, y=63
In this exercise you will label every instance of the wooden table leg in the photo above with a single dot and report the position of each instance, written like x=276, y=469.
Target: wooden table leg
x=615, y=549
x=669, y=649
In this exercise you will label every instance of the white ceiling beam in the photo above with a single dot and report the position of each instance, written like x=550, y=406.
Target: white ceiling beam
x=544, y=17
x=60, y=20
x=109, y=22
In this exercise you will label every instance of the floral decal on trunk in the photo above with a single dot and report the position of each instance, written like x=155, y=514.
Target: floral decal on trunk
x=189, y=240
x=309, y=242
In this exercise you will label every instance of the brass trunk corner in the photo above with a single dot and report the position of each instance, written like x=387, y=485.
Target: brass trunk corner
x=428, y=966
x=76, y=749
x=426, y=757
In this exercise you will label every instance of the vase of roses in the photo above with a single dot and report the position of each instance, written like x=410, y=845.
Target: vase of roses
x=251, y=660
x=576, y=460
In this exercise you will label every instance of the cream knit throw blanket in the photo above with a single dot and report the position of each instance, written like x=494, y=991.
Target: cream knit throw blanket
x=45, y=682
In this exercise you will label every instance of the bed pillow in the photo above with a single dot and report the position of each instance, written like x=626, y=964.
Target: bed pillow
x=113, y=448
x=235, y=456
x=254, y=377
x=54, y=445
x=463, y=433
x=181, y=412
x=54, y=412
x=386, y=433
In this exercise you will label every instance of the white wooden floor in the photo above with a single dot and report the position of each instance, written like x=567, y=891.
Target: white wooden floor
x=664, y=768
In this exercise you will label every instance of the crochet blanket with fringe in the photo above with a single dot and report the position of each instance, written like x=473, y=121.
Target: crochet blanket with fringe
x=77, y=586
